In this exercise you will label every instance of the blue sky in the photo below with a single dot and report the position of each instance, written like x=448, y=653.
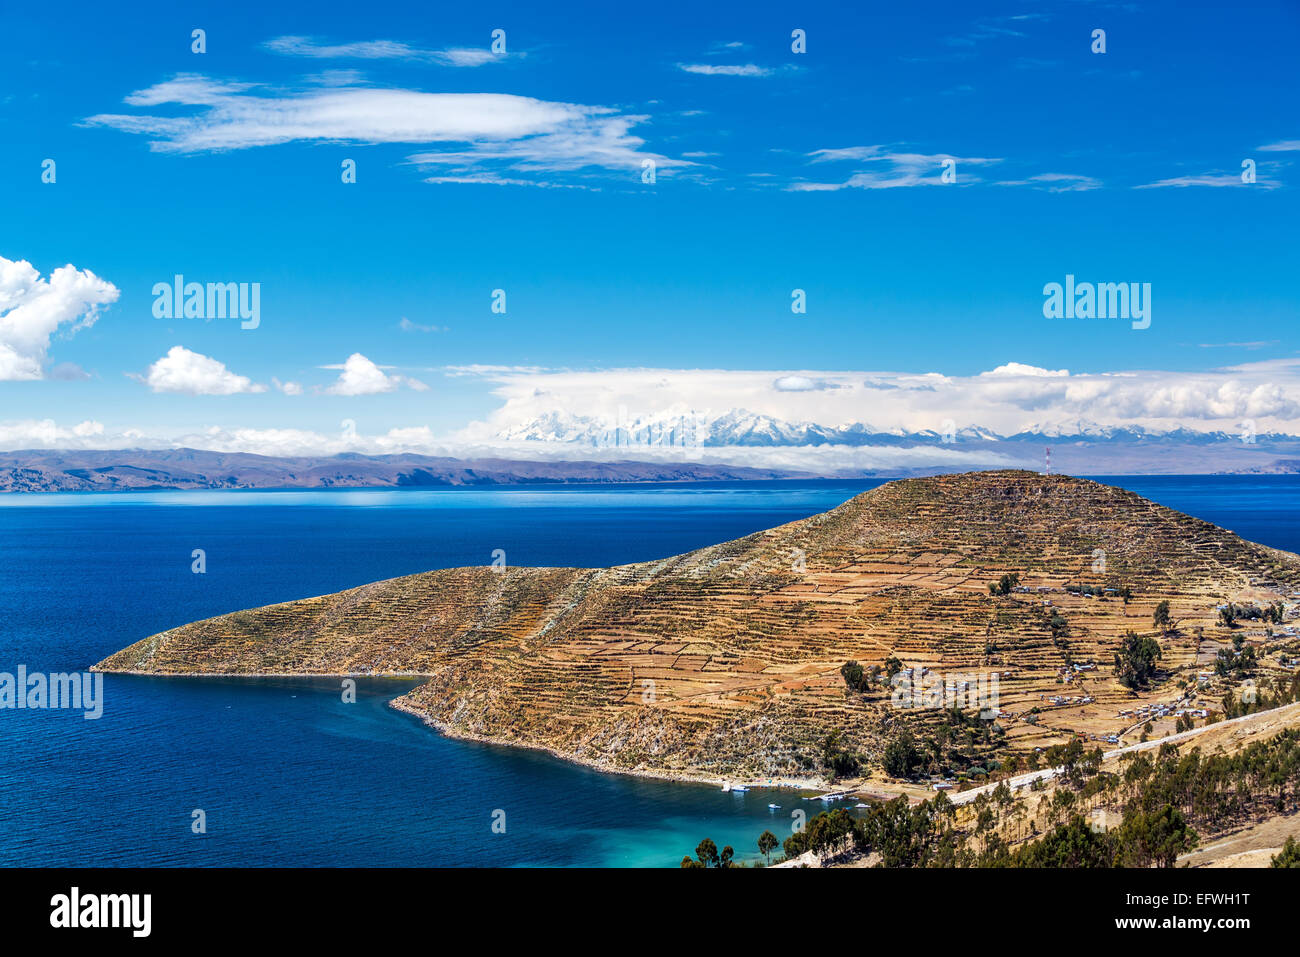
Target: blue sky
x=775, y=170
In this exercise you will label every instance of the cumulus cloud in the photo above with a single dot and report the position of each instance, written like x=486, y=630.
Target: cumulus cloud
x=1020, y=369
x=190, y=373
x=800, y=383
x=360, y=376
x=34, y=309
x=46, y=433
x=481, y=137
x=1014, y=397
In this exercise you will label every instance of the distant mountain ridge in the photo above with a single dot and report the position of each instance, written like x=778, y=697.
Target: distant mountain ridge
x=146, y=469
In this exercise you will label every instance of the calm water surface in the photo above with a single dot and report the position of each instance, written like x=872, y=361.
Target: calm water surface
x=289, y=775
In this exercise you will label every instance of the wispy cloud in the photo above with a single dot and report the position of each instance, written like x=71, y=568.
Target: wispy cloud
x=500, y=137
x=406, y=325
x=887, y=169
x=731, y=69
x=1056, y=182
x=1204, y=179
x=1258, y=344
x=384, y=50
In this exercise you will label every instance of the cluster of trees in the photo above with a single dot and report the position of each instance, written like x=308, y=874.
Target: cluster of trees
x=1263, y=696
x=1142, y=840
x=1164, y=798
x=840, y=761
x=827, y=832
x=1289, y=856
x=1005, y=584
x=1230, y=612
x=708, y=855
x=1219, y=790
x=956, y=741
x=902, y=758
x=858, y=678
x=1099, y=591
x=1241, y=660
x=1135, y=662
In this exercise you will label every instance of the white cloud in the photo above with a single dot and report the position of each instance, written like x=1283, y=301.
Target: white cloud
x=46, y=433
x=1012, y=398
x=193, y=374
x=800, y=383
x=288, y=388
x=360, y=376
x=1056, y=182
x=384, y=50
x=1020, y=369
x=721, y=69
x=1204, y=179
x=406, y=325
x=498, y=136
x=887, y=169
x=1283, y=146
x=33, y=310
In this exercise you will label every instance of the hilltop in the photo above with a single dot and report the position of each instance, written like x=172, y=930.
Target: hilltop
x=726, y=663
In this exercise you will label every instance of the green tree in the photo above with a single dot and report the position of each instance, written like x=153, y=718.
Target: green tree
x=1289, y=856
x=1135, y=662
x=1160, y=618
x=767, y=843
x=706, y=852
x=1155, y=837
x=853, y=674
x=901, y=757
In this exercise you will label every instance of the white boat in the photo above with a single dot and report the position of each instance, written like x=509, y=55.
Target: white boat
x=739, y=787
x=774, y=807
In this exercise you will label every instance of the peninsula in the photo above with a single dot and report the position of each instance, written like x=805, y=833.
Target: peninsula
x=769, y=659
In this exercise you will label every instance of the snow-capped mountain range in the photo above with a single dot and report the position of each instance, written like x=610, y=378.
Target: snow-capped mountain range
x=741, y=428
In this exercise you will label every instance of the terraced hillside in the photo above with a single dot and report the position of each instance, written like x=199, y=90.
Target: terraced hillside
x=725, y=663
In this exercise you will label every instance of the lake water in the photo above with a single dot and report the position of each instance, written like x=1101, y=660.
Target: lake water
x=288, y=774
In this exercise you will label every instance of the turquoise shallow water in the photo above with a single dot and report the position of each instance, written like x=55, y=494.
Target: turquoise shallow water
x=288, y=774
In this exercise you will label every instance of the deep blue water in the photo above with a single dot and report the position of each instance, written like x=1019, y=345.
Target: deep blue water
x=286, y=772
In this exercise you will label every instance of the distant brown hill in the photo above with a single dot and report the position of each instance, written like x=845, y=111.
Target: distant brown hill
x=725, y=663
x=148, y=469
